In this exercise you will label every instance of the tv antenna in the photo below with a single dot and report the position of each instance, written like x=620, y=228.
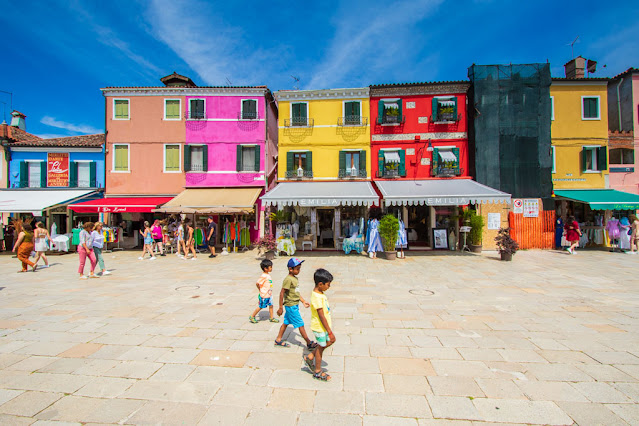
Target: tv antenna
x=572, y=47
x=297, y=80
x=228, y=82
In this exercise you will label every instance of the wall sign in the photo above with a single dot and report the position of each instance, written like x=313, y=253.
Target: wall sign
x=518, y=206
x=531, y=208
x=58, y=169
x=494, y=220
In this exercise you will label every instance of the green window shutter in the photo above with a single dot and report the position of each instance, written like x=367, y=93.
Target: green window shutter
x=238, y=159
x=24, y=174
x=73, y=174
x=92, y=175
x=309, y=161
x=187, y=158
x=205, y=158
x=342, y=160
x=257, y=158
x=402, y=163
x=455, y=110
x=380, y=163
x=380, y=113
x=356, y=109
x=348, y=109
x=583, y=159
x=435, y=163
x=43, y=174
x=435, y=105
x=295, y=110
x=602, y=158
x=456, y=153
x=303, y=111
x=400, y=111
x=362, y=162
x=172, y=108
x=289, y=161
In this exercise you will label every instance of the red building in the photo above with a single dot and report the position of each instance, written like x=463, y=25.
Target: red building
x=419, y=148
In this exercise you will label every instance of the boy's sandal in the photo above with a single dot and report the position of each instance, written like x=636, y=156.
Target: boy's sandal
x=274, y=320
x=253, y=320
x=322, y=376
x=311, y=346
x=282, y=343
x=309, y=363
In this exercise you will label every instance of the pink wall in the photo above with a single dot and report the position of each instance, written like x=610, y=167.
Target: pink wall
x=629, y=182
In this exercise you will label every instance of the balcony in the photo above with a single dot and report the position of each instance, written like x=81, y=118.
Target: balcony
x=353, y=120
x=195, y=115
x=389, y=120
x=388, y=174
x=446, y=117
x=245, y=115
x=446, y=171
x=352, y=174
x=294, y=174
x=299, y=122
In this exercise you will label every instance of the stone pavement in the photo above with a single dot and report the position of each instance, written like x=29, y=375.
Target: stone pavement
x=435, y=339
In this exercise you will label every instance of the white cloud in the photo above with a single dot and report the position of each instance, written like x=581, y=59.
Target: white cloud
x=75, y=128
x=618, y=50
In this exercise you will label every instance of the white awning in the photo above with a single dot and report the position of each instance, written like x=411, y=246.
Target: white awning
x=35, y=201
x=440, y=192
x=321, y=194
x=446, y=103
x=447, y=155
x=391, y=157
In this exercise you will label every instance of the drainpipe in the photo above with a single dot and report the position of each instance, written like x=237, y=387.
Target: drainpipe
x=619, y=102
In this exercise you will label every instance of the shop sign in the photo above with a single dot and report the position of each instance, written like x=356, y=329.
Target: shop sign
x=518, y=206
x=531, y=208
x=111, y=209
x=455, y=201
x=318, y=202
x=58, y=169
x=494, y=220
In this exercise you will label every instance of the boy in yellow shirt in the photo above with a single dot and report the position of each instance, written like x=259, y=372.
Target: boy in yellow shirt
x=321, y=324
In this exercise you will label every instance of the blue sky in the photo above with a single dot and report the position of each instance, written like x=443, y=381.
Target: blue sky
x=58, y=54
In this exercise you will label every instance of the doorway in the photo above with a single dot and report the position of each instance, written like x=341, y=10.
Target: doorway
x=418, y=226
x=325, y=219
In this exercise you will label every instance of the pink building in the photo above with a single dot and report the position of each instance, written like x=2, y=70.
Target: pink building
x=623, y=122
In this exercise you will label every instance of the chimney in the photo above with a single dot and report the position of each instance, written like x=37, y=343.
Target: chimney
x=18, y=120
x=575, y=68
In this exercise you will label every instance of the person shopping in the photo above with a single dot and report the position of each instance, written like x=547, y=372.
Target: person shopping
x=85, y=249
x=41, y=244
x=573, y=234
x=24, y=246
x=158, y=240
x=98, y=245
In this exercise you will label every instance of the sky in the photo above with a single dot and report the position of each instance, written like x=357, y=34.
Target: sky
x=56, y=54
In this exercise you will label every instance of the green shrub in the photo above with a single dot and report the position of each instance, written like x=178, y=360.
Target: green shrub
x=388, y=228
x=477, y=228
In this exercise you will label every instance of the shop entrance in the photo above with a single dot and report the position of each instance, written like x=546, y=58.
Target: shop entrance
x=325, y=220
x=417, y=228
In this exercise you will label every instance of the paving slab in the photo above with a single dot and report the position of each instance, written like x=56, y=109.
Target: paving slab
x=518, y=411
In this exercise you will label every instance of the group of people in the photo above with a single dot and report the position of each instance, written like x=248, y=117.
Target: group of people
x=289, y=300
x=91, y=246
x=156, y=236
x=29, y=241
x=573, y=234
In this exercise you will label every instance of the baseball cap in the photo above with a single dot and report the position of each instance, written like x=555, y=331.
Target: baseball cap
x=293, y=262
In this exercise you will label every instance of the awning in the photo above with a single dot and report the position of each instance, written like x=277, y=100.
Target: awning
x=321, y=194
x=438, y=192
x=391, y=157
x=35, y=201
x=447, y=156
x=601, y=199
x=213, y=201
x=120, y=205
x=446, y=103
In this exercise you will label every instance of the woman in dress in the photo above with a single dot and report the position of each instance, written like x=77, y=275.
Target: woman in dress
x=85, y=249
x=98, y=244
x=41, y=244
x=573, y=233
x=148, y=241
x=634, y=237
x=190, y=240
x=156, y=231
x=24, y=246
x=179, y=240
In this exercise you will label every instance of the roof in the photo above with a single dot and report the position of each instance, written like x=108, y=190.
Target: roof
x=630, y=70
x=181, y=80
x=182, y=88
x=425, y=83
x=18, y=137
x=606, y=79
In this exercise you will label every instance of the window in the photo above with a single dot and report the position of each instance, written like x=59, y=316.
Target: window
x=392, y=162
x=352, y=164
x=352, y=113
x=249, y=109
x=171, y=158
x=622, y=156
x=590, y=108
x=299, y=164
x=172, y=109
x=197, y=109
x=35, y=173
x=444, y=109
x=389, y=111
x=121, y=109
x=299, y=114
x=445, y=162
x=84, y=174
x=553, y=158
x=248, y=158
x=121, y=158
x=197, y=158
x=552, y=108
x=594, y=159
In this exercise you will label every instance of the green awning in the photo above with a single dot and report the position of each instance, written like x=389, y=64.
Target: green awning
x=601, y=199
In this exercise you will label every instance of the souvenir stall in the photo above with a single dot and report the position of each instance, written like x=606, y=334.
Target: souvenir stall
x=235, y=232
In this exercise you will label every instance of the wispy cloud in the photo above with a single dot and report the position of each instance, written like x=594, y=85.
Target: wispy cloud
x=618, y=50
x=75, y=128
x=372, y=37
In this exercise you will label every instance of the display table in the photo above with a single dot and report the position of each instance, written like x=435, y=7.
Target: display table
x=286, y=245
x=353, y=244
x=60, y=242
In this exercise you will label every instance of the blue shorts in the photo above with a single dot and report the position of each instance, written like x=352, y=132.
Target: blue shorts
x=293, y=317
x=264, y=303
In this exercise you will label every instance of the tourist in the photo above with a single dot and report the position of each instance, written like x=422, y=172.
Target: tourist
x=321, y=324
x=85, y=249
x=41, y=243
x=573, y=234
x=190, y=240
x=634, y=236
x=156, y=232
x=265, y=288
x=148, y=241
x=179, y=240
x=290, y=298
x=24, y=246
x=98, y=245
x=211, y=236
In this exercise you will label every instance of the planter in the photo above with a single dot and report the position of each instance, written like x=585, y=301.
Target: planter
x=508, y=257
x=390, y=255
x=474, y=248
x=269, y=255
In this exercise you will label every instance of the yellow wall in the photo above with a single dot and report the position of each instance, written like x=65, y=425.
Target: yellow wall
x=325, y=139
x=570, y=133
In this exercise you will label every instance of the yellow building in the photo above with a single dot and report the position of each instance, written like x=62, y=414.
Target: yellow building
x=579, y=131
x=324, y=173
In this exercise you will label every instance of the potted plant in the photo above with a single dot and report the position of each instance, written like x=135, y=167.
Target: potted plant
x=279, y=216
x=476, y=232
x=505, y=244
x=266, y=246
x=388, y=228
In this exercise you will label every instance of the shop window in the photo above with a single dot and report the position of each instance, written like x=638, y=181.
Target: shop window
x=171, y=109
x=590, y=108
x=299, y=164
x=392, y=163
x=594, y=159
x=444, y=109
x=390, y=111
x=622, y=156
x=248, y=158
x=352, y=164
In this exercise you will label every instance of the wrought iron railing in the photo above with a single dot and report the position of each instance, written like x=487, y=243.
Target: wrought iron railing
x=299, y=122
x=293, y=174
x=391, y=119
x=445, y=171
x=195, y=115
x=388, y=173
x=197, y=167
x=446, y=118
x=245, y=115
x=352, y=120
x=348, y=173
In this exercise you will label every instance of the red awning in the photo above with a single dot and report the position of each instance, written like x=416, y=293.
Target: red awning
x=120, y=205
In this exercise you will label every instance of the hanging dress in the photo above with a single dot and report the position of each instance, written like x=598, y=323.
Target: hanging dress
x=368, y=232
x=374, y=240
x=402, y=240
x=624, y=237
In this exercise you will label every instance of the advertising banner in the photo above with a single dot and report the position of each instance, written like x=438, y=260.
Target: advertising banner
x=58, y=169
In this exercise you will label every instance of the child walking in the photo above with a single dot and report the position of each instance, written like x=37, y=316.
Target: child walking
x=148, y=241
x=290, y=298
x=321, y=324
x=265, y=287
